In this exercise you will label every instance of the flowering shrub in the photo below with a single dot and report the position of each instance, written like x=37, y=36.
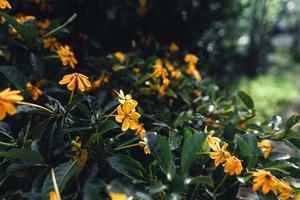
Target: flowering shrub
x=79, y=126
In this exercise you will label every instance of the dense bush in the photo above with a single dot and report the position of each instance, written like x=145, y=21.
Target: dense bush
x=142, y=124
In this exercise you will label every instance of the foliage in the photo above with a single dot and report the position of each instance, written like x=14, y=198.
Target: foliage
x=142, y=124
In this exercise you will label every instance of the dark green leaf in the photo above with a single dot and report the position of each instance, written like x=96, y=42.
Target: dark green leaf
x=23, y=154
x=247, y=100
x=128, y=166
x=205, y=180
x=189, y=150
x=161, y=151
x=14, y=75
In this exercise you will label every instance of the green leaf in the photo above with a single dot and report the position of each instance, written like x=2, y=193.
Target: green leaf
x=291, y=145
x=242, y=149
x=57, y=29
x=269, y=196
x=28, y=33
x=14, y=75
x=23, y=154
x=205, y=180
x=63, y=174
x=253, y=149
x=291, y=122
x=128, y=166
x=160, y=150
x=157, y=188
x=189, y=150
x=107, y=126
x=247, y=100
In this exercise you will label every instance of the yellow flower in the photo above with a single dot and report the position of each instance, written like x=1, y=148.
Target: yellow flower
x=4, y=4
x=191, y=59
x=34, y=90
x=67, y=56
x=120, y=56
x=173, y=47
x=233, y=166
x=212, y=141
x=163, y=90
x=297, y=197
x=220, y=154
x=166, y=82
x=51, y=43
x=43, y=24
x=159, y=70
x=117, y=196
x=192, y=71
x=146, y=148
x=284, y=190
x=127, y=115
x=266, y=147
x=122, y=98
x=140, y=131
x=7, y=99
x=76, y=79
x=96, y=84
x=176, y=74
x=264, y=180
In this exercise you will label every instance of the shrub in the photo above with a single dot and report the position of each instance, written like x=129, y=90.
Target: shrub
x=146, y=126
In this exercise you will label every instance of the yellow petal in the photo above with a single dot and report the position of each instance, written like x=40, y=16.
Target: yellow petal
x=126, y=124
x=71, y=86
x=80, y=85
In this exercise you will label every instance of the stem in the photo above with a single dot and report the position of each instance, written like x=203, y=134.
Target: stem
x=55, y=184
x=221, y=183
x=8, y=144
x=71, y=97
x=110, y=114
x=36, y=106
x=125, y=147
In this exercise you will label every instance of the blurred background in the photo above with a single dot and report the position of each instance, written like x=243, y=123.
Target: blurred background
x=253, y=45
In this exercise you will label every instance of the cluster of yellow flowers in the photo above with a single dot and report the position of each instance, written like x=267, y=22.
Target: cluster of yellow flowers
x=267, y=182
x=65, y=53
x=232, y=165
x=127, y=115
x=162, y=68
x=191, y=69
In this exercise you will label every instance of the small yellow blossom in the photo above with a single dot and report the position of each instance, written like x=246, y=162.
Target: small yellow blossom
x=76, y=79
x=34, y=90
x=96, y=84
x=127, y=115
x=191, y=59
x=8, y=98
x=140, y=131
x=4, y=4
x=192, y=71
x=284, y=190
x=266, y=147
x=233, y=166
x=220, y=154
x=146, y=148
x=163, y=90
x=51, y=43
x=43, y=24
x=173, y=47
x=120, y=56
x=122, y=98
x=176, y=74
x=67, y=56
x=117, y=196
x=264, y=180
x=212, y=141
x=159, y=70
